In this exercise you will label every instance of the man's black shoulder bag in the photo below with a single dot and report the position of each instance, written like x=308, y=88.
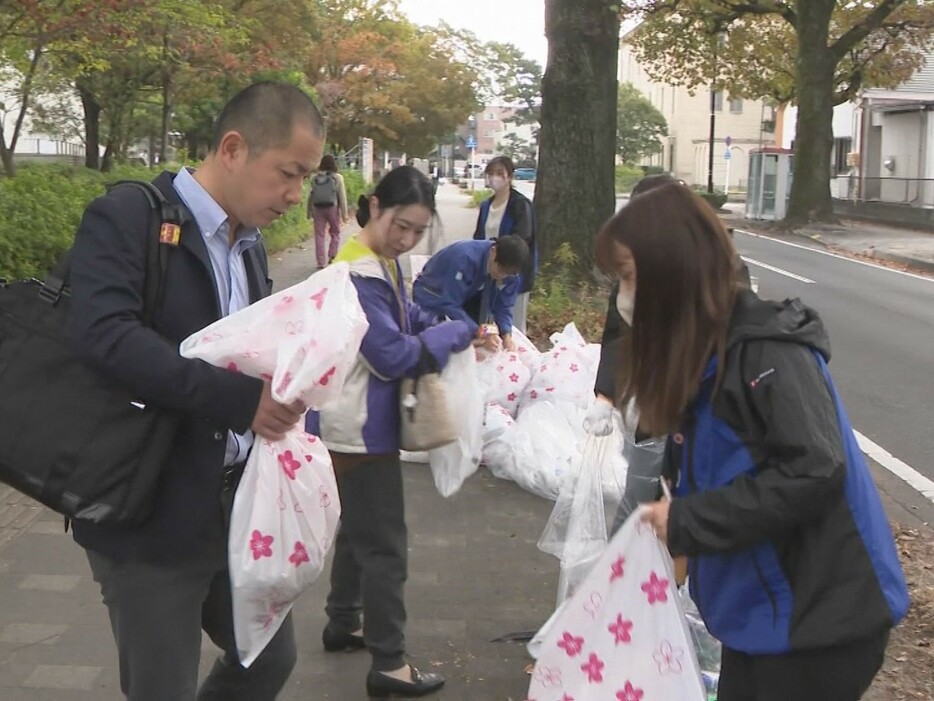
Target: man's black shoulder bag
x=69, y=437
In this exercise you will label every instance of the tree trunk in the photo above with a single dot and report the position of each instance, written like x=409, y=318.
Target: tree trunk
x=814, y=68
x=575, y=188
x=92, y=126
x=6, y=157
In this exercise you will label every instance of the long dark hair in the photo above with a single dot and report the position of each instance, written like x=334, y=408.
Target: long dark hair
x=328, y=164
x=401, y=186
x=685, y=288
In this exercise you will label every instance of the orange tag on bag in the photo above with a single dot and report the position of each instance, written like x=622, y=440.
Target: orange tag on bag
x=170, y=234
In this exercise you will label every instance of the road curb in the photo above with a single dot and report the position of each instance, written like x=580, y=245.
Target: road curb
x=924, y=265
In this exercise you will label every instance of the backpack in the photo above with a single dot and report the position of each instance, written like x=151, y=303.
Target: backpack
x=73, y=438
x=324, y=190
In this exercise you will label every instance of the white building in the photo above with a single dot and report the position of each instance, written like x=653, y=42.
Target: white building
x=749, y=124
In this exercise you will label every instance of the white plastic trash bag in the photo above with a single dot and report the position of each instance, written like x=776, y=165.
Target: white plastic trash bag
x=622, y=634
x=503, y=376
x=453, y=463
x=304, y=341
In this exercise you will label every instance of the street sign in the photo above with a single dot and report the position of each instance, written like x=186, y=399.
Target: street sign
x=471, y=142
x=727, y=155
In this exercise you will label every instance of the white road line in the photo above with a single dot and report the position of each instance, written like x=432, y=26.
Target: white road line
x=777, y=270
x=908, y=474
x=812, y=249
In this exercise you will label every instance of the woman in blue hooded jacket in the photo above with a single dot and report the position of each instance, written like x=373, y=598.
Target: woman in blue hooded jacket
x=362, y=431
x=791, y=561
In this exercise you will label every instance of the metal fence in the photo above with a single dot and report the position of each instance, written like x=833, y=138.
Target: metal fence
x=916, y=192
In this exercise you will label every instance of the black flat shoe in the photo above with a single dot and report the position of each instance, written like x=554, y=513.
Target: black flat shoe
x=341, y=642
x=379, y=686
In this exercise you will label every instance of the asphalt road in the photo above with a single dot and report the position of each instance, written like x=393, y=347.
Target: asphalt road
x=881, y=326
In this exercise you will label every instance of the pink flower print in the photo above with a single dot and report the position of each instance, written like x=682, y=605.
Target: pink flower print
x=616, y=569
x=513, y=358
x=260, y=545
x=309, y=458
x=547, y=676
x=286, y=381
x=594, y=668
x=629, y=693
x=523, y=349
x=543, y=368
x=549, y=389
x=566, y=697
x=571, y=644
x=299, y=555
x=289, y=464
x=326, y=377
x=294, y=327
x=232, y=366
x=656, y=589
x=593, y=604
x=511, y=396
x=556, y=355
x=318, y=298
x=533, y=394
x=563, y=348
x=311, y=438
x=574, y=367
x=500, y=368
x=668, y=659
x=284, y=304
x=324, y=499
x=620, y=630
x=514, y=378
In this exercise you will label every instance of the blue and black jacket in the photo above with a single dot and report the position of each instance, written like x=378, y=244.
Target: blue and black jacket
x=788, y=543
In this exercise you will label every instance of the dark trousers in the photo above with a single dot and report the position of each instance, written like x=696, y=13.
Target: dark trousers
x=370, y=558
x=157, y=613
x=839, y=673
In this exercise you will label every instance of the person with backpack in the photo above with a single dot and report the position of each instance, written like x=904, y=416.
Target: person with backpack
x=327, y=208
x=508, y=212
x=166, y=580
x=791, y=560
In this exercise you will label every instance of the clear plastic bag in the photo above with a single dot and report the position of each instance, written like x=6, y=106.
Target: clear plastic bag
x=576, y=530
x=643, y=472
x=453, y=463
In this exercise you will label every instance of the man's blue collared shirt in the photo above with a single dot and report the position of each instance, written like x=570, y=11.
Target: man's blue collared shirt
x=230, y=279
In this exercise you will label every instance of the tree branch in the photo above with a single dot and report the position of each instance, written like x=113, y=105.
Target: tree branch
x=842, y=46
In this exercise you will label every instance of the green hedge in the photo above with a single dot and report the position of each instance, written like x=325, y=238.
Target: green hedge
x=41, y=207
x=715, y=199
x=627, y=176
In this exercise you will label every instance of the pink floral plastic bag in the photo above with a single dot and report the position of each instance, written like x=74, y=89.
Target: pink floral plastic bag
x=622, y=635
x=304, y=341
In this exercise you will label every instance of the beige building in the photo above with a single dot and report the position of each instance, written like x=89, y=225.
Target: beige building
x=749, y=124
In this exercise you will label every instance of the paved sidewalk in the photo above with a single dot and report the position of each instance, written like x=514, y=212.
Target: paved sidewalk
x=909, y=247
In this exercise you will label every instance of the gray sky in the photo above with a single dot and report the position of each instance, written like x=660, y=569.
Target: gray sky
x=518, y=22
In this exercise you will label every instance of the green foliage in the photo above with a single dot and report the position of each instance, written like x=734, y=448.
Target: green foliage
x=41, y=207
x=627, y=176
x=562, y=295
x=715, y=199
x=478, y=196
x=40, y=210
x=354, y=185
x=640, y=126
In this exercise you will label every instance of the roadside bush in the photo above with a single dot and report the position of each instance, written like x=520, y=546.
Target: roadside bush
x=627, y=176
x=653, y=170
x=715, y=199
x=561, y=296
x=41, y=207
x=353, y=183
x=477, y=196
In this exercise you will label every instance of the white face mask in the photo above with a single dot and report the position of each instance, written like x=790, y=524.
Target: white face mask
x=625, y=303
x=496, y=182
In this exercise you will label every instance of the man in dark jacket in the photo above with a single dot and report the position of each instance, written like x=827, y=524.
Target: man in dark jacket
x=166, y=579
x=509, y=212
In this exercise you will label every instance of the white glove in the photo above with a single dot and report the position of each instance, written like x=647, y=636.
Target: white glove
x=599, y=418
